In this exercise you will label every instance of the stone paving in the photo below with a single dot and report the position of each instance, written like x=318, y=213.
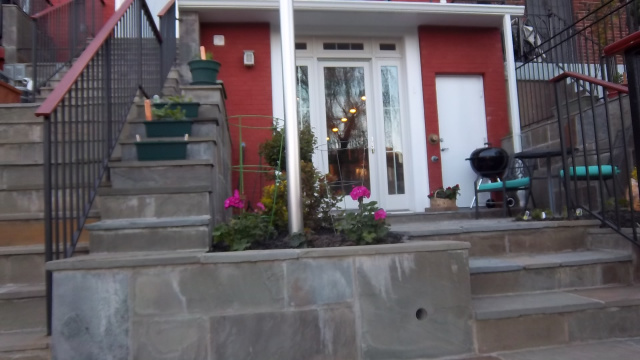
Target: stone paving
x=627, y=349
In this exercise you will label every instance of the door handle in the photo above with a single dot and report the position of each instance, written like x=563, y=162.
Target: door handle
x=444, y=149
x=373, y=146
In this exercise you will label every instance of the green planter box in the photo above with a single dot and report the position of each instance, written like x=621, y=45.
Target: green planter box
x=204, y=72
x=190, y=108
x=162, y=150
x=168, y=128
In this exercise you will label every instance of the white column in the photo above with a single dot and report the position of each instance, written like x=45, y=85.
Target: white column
x=287, y=37
x=512, y=87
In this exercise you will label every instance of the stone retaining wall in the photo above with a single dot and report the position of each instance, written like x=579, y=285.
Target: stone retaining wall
x=402, y=301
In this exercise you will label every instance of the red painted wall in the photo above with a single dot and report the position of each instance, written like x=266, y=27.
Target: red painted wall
x=248, y=92
x=450, y=51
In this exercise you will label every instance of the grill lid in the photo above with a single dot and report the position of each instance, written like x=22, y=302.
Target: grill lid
x=489, y=161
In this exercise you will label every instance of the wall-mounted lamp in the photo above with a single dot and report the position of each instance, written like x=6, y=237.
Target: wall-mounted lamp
x=249, y=58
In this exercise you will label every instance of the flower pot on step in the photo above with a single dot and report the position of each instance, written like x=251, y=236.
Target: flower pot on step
x=443, y=204
x=190, y=108
x=168, y=128
x=204, y=72
x=162, y=150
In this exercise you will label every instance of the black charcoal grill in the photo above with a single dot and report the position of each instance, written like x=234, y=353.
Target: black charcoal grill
x=489, y=162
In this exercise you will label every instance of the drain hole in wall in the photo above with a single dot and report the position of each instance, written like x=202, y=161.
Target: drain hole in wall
x=421, y=314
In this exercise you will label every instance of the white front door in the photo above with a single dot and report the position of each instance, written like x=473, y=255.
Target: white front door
x=360, y=130
x=463, y=128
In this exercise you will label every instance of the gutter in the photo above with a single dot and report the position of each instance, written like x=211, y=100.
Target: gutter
x=361, y=6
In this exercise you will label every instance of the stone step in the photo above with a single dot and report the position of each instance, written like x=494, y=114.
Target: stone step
x=202, y=127
x=12, y=113
x=22, y=307
x=158, y=203
x=25, y=131
x=30, y=200
x=512, y=322
x=540, y=272
x=619, y=349
x=28, y=229
x=197, y=148
x=24, y=345
x=27, y=153
x=161, y=174
x=25, y=264
x=496, y=237
x=31, y=176
x=150, y=234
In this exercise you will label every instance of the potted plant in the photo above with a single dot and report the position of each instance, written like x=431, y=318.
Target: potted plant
x=168, y=122
x=189, y=106
x=162, y=149
x=445, y=199
x=204, y=70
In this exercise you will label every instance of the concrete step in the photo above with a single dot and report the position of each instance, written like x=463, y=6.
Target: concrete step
x=25, y=264
x=26, y=153
x=22, y=307
x=25, y=131
x=150, y=234
x=12, y=113
x=619, y=349
x=202, y=128
x=540, y=272
x=31, y=176
x=24, y=345
x=28, y=229
x=154, y=203
x=512, y=322
x=197, y=148
x=161, y=174
x=500, y=236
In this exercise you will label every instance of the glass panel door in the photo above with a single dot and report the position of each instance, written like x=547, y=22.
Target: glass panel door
x=346, y=126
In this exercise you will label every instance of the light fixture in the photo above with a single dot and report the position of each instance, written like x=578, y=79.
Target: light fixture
x=334, y=129
x=363, y=98
x=353, y=111
x=327, y=138
x=249, y=59
x=343, y=119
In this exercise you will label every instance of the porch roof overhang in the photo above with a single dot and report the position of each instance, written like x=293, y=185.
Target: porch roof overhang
x=332, y=13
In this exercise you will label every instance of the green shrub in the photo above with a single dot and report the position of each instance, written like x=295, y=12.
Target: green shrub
x=243, y=230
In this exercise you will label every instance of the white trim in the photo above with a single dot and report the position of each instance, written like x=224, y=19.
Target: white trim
x=419, y=183
x=369, y=6
x=512, y=86
x=277, y=87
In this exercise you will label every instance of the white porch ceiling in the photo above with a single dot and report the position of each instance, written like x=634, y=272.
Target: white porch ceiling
x=353, y=13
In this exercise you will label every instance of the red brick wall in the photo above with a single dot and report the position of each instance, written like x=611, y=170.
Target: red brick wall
x=462, y=51
x=248, y=91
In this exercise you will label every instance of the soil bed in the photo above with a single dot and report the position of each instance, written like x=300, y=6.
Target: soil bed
x=318, y=239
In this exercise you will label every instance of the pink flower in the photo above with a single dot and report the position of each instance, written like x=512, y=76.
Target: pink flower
x=234, y=201
x=260, y=206
x=360, y=191
x=380, y=214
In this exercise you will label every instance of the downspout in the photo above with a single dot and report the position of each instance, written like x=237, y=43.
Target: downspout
x=512, y=86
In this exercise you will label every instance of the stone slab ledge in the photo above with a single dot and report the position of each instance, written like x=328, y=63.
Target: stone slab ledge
x=142, y=259
x=460, y=227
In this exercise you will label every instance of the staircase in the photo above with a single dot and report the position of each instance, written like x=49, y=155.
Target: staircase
x=542, y=284
x=22, y=276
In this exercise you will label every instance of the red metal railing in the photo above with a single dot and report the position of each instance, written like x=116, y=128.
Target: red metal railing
x=60, y=33
x=86, y=112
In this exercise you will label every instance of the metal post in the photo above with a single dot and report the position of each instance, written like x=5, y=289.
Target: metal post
x=514, y=112
x=287, y=38
x=106, y=78
x=48, y=235
x=34, y=61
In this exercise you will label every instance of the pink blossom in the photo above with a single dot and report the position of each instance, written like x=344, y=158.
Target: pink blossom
x=260, y=206
x=360, y=191
x=234, y=201
x=380, y=214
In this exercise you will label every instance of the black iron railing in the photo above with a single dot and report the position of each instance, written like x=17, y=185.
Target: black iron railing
x=84, y=116
x=60, y=33
x=576, y=48
x=596, y=168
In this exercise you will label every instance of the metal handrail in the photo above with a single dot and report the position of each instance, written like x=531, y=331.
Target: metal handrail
x=85, y=114
x=601, y=155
